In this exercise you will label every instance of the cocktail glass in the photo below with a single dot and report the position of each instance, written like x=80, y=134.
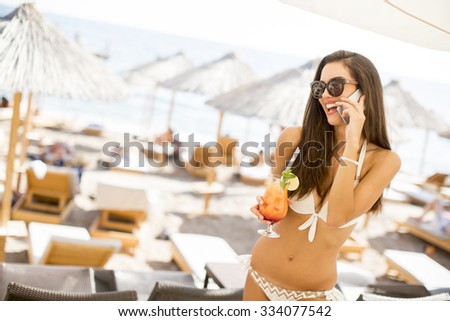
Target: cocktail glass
x=274, y=205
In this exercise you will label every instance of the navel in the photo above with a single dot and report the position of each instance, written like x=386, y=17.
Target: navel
x=291, y=258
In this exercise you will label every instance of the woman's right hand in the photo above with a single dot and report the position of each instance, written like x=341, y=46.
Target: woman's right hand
x=255, y=210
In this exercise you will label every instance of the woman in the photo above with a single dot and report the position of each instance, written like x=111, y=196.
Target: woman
x=337, y=186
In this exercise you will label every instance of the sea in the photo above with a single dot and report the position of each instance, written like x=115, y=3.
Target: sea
x=421, y=152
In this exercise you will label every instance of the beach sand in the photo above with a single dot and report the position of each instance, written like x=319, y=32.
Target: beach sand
x=232, y=220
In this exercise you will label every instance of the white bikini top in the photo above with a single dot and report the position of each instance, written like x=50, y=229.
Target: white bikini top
x=306, y=204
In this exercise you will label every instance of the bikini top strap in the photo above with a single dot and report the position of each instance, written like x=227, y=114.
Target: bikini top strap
x=293, y=157
x=362, y=154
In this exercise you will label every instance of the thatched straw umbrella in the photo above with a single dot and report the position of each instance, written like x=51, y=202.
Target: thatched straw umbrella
x=159, y=70
x=403, y=109
x=280, y=99
x=150, y=75
x=35, y=57
x=211, y=79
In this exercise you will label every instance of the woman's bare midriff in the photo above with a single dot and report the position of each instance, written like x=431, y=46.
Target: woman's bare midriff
x=292, y=262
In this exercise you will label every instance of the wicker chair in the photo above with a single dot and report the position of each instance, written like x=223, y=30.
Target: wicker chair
x=20, y=292
x=171, y=291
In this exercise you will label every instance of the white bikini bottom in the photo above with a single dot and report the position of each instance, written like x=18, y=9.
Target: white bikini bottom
x=276, y=293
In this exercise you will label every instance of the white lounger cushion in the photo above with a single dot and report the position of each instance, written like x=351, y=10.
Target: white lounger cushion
x=40, y=235
x=196, y=250
x=424, y=269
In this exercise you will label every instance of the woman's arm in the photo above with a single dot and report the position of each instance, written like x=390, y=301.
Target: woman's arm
x=347, y=202
x=285, y=148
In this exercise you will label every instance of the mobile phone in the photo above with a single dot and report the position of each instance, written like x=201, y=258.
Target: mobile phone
x=355, y=96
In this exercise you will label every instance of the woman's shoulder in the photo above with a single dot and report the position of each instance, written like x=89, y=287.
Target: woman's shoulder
x=384, y=157
x=290, y=134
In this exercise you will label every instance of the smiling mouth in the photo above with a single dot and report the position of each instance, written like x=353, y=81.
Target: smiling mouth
x=329, y=106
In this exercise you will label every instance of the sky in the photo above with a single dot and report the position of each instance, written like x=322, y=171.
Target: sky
x=268, y=25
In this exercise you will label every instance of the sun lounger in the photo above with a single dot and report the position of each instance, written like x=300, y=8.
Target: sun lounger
x=429, y=231
x=418, y=268
x=129, y=241
x=191, y=252
x=123, y=208
x=68, y=245
x=415, y=194
x=49, y=199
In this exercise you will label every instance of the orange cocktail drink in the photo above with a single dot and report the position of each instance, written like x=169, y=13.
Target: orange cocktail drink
x=275, y=203
x=275, y=200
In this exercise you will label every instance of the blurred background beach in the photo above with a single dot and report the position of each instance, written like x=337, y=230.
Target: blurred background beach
x=126, y=48
x=123, y=46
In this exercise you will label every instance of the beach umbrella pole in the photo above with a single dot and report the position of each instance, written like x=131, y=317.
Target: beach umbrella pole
x=219, y=128
x=26, y=129
x=172, y=103
x=7, y=196
x=24, y=147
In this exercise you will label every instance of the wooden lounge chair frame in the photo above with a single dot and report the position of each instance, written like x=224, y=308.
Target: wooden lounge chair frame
x=47, y=200
x=424, y=231
x=121, y=220
x=129, y=239
x=68, y=245
x=66, y=251
x=54, y=187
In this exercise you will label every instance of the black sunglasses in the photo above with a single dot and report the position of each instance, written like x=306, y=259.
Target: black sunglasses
x=335, y=87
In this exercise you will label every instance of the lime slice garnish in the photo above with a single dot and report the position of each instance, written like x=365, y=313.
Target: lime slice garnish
x=292, y=184
x=289, y=180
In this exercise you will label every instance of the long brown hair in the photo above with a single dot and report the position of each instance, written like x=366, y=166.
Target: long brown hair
x=314, y=146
